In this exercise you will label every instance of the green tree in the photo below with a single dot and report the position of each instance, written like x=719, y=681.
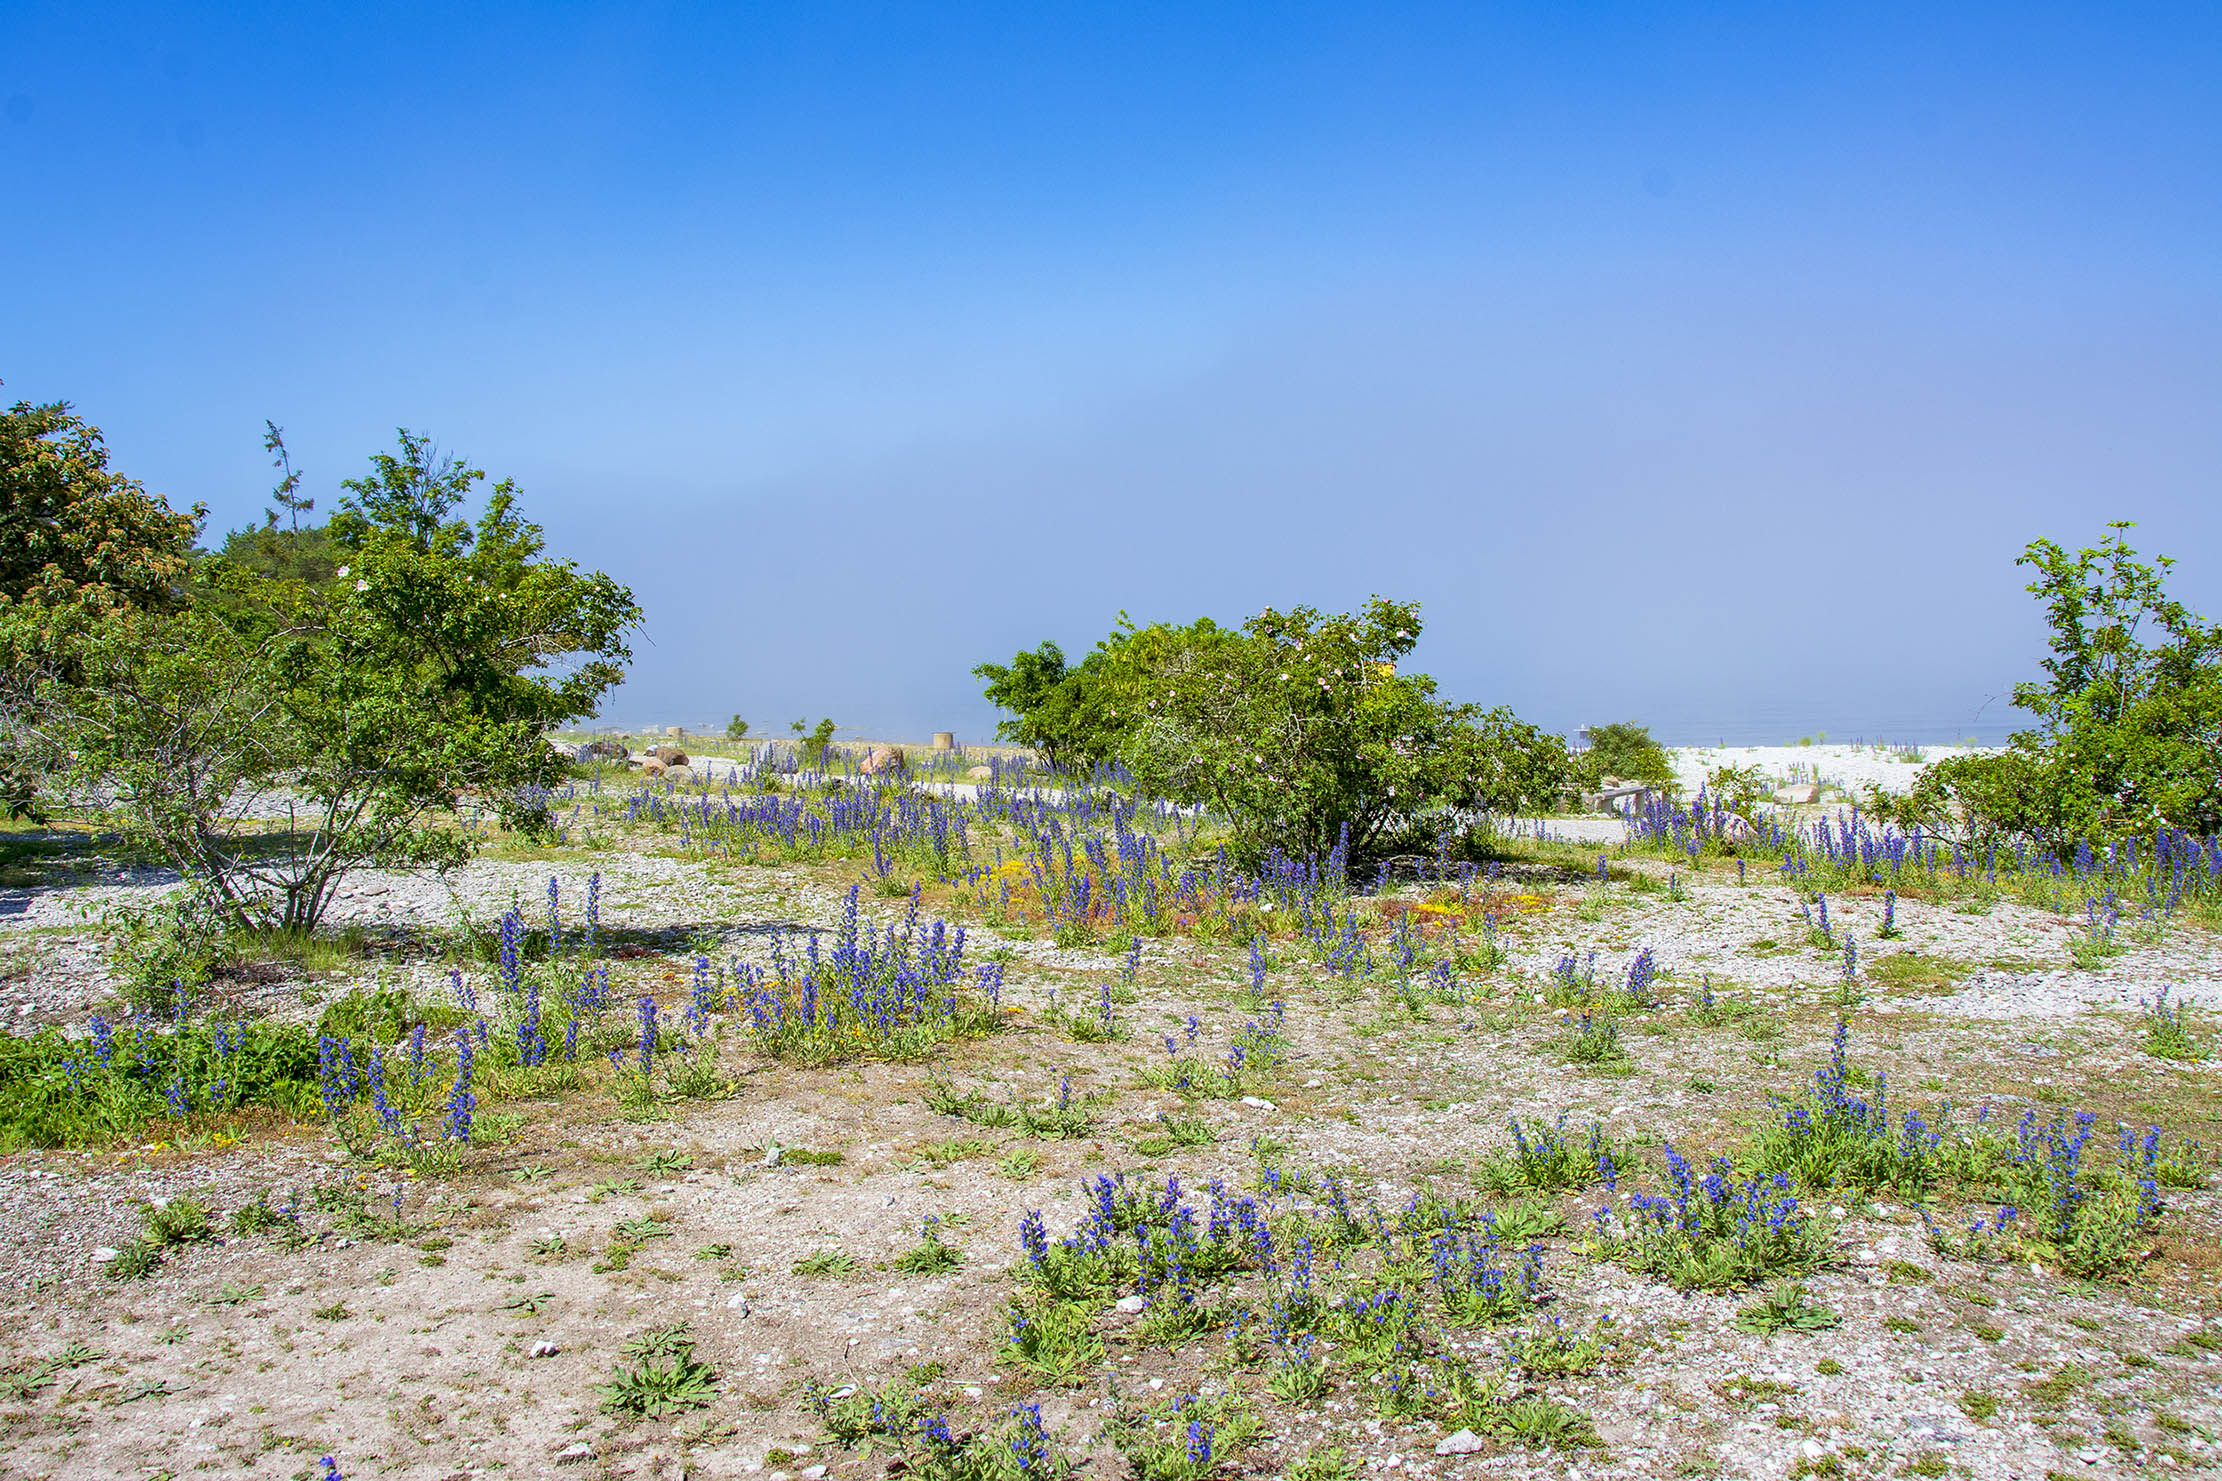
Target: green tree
x=1303, y=733
x=72, y=530
x=296, y=552
x=276, y=734
x=1081, y=715
x=76, y=537
x=815, y=743
x=736, y=729
x=2129, y=714
x=1038, y=689
x=288, y=493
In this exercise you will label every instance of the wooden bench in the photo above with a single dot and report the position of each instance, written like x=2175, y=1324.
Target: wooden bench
x=1636, y=795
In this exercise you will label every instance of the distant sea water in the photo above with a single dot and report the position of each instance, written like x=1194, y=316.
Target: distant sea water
x=1681, y=722
x=1767, y=724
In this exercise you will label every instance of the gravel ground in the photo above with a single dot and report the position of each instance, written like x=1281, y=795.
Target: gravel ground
x=1851, y=768
x=412, y=1357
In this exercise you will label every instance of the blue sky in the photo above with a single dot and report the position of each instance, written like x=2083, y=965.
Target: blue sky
x=1699, y=364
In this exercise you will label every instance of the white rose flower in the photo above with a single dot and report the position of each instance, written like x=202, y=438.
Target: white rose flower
x=343, y=573
x=362, y=586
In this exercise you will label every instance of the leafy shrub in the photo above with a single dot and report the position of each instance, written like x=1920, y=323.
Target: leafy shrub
x=1624, y=750
x=163, y=947
x=61, y=1092
x=360, y=708
x=1742, y=790
x=815, y=743
x=1302, y=734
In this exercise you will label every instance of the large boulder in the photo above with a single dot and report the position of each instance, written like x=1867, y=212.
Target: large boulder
x=652, y=767
x=884, y=761
x=1804, y=793
x=669, y=755
x=678, y=773
x=981, y=774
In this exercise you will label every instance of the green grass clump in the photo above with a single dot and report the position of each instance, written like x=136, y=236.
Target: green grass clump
x=1596, y=1041
x=163, y=1226
x=1187, y=1439
x=663, y=1379
x=1052, y=1339
x=118, y=1082
x=1788, y=1307
x=1175, y=1132
x=1545, y=1159
x=1715, y=1233
x=854, y=1413
x=182, y=1220
x=1557, y=1351
x=1066, y=1118
x=2165, y=1034
x=930, y=1256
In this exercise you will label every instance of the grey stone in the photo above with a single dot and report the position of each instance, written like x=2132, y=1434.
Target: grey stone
x=1460, y=1442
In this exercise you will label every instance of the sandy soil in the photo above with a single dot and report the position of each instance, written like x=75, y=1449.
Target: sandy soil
x=456, y=1339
